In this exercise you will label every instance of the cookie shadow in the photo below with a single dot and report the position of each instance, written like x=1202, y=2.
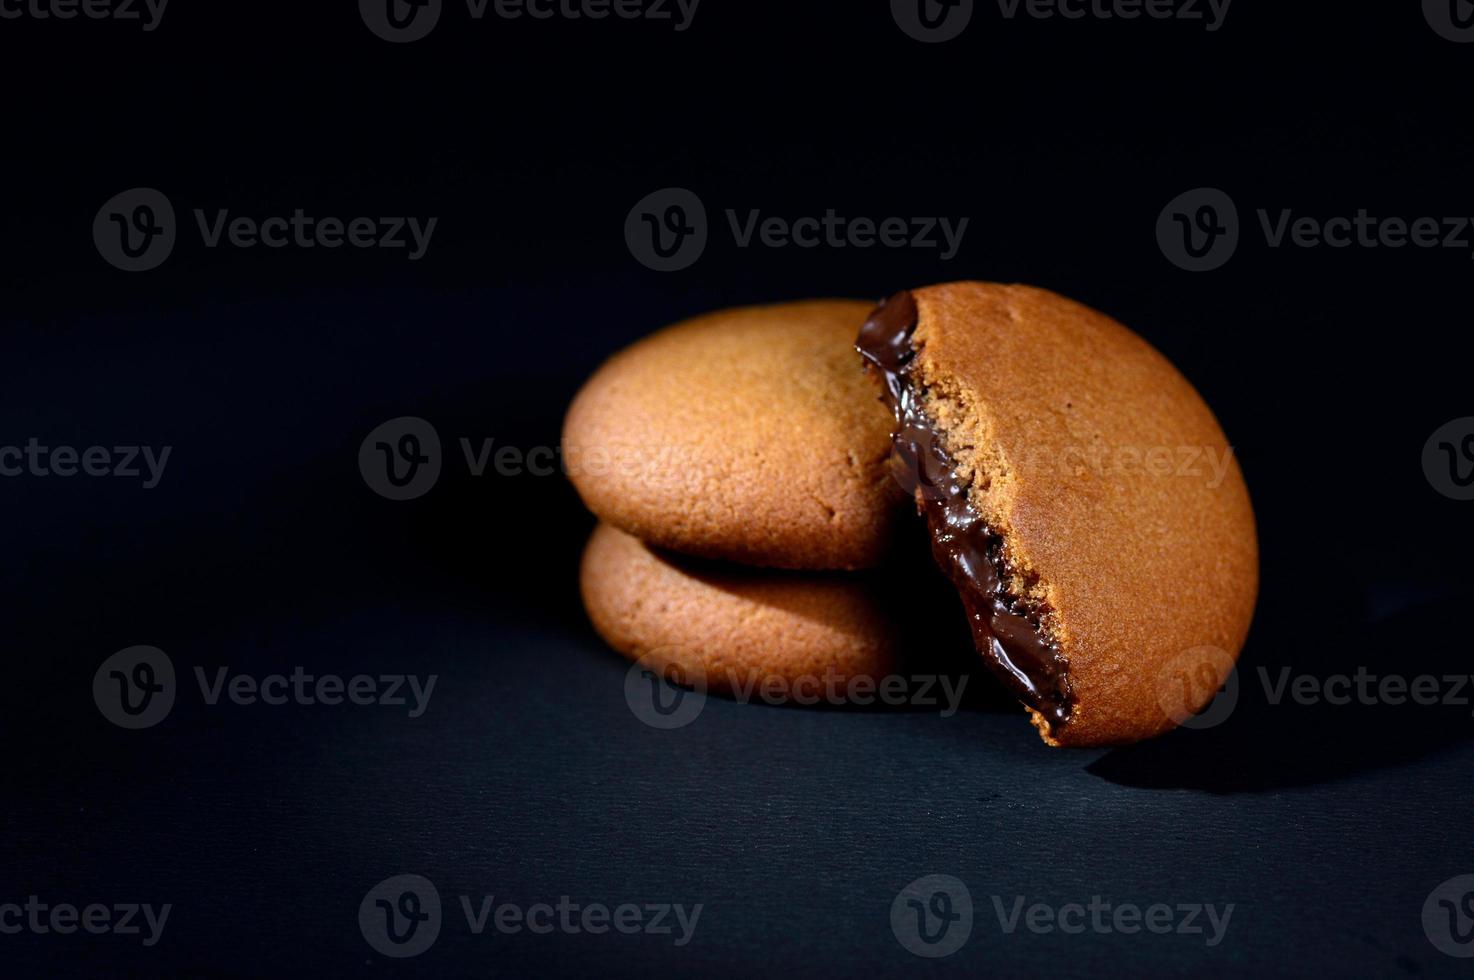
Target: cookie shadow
x=1280, y=736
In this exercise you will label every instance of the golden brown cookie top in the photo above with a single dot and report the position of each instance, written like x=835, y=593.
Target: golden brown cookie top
x=749, y=435
x=1115, y=492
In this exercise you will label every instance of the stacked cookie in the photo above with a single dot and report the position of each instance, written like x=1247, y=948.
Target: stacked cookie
x=1076, y=490
x=737, y=463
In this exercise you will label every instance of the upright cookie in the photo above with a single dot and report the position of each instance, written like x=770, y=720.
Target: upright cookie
x=735, y=627
x=1079, y=494
x=748, y=435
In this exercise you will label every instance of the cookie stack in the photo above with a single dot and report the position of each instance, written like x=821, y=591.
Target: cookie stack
x=747, y=465
x=736, y=461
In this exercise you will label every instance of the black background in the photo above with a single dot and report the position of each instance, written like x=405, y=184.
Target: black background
x=528, y=777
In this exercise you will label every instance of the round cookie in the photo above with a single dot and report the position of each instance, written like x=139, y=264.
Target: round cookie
x=749, y=435
x=1079, y=494
x=735, y=627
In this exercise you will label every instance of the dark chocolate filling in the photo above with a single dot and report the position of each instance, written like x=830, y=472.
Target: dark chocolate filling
x=1006, y=628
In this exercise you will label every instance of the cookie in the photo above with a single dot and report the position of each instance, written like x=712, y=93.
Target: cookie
x=1080, y=495
x=735, y=627
x=749, y=435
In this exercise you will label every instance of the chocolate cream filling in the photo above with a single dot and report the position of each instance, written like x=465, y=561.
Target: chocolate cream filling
x=1006, y=627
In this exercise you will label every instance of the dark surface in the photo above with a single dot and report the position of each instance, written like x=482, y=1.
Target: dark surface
x=529, y=777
